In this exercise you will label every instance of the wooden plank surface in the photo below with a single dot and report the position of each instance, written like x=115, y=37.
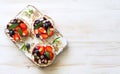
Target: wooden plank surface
x=92, y=28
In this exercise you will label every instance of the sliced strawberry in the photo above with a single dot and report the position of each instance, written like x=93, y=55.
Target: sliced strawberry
x=44, y=36
x=51, y=55
x=23, y=26
x=25, y=33
x=41, y=30
x=51, y=31
x=17, y=28
x=42, y=50
x=36, y=31
x=16, y=37
x=48, y=48
x=37, y=47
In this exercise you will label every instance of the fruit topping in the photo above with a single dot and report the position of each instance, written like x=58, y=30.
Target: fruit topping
x=25, y=33
x=42, y=50
x=16, y=37
x=11, y=32
x=44, y=36
x=17, y=29
x=43, y=54
x=51, y=56
x=37, y=35
x=48, y=48
x=23, y=26
x=51, y=32
x=45, y=61
x=28, y=46
x=14, y=21
x=47, y=24
x=43, y=28
x=37, y=24
x=36, y=31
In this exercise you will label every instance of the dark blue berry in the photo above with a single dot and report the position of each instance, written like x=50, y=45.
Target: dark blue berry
x=42, y=61
x=45, y=61
x=37, y=35
x=28, y=46
x=47, y=24
x=14, y=21
x=37, y=21
x=44, y=18
x=42, y=57
x=7, y=26
x=36, y=51
x=11, y=32
x=36, y=60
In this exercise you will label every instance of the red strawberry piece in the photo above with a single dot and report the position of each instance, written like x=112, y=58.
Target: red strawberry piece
x=51, y=31
x=23, y=26
x=16, y=37
x=17, y=28
x=36, y=31
x=48, y=48
x=41, y=30
x=37, y=47
x=51, y=55
x=42, y=50
x=44, y=36
x=25, y=33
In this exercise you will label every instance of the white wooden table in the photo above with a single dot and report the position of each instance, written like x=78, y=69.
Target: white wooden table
x=92, y=28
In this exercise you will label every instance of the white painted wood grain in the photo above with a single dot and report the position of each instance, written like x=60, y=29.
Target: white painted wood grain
x=92, y=28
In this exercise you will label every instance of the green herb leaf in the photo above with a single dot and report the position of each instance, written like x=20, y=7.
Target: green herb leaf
x=27, y=14
x=48, y=30
x=20, y=32
x=47, y=55
x=13, y=26
x=38, y=25
x=23, y=47
x=55, y=40
x=30, y=11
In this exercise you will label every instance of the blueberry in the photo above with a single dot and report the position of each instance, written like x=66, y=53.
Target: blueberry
x=36, y=60
x=14, y=21
x=47, y=24
x=44, y=18
x=42, y=61
x=45, y=61
x=36, y=51
x=28, y=46
x=7, y=26
x=37, y=35
x=11, y=32
x=37, y=21
x=42, y=57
